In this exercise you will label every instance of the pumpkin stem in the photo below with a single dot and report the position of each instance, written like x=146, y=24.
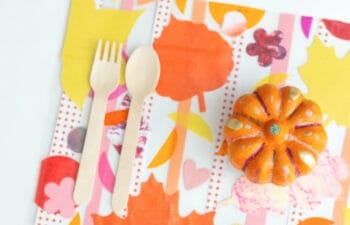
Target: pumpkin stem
x=201, y=102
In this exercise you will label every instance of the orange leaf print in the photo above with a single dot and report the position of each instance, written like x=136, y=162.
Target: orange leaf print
x=193, y=60
x=154, y=207
x=316, y=221
x=116, y=117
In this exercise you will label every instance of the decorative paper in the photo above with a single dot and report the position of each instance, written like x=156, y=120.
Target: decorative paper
x=219, y=11
x=166, y=151
x=106, y=173
x=75, y=220
x=210, y=53
x=75, y=139
x=116, y=117
x=316, y=221
x=307, y=192
x=60, y=197
x=194, y=123
x=86, y=25
x=52, y=172
x=193, y=176
x=187, y=69
x=163, y=210
x=266, y=47
x=316, y=75
x=338, y=29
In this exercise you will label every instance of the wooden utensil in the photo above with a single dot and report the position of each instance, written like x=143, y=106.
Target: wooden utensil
x=141, y=77
x=104, y=78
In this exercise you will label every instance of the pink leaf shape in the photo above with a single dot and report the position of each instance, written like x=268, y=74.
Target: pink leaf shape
x=193, y=177
x=50, y=206
x=252, y=197
x=258, y=218
x=50, y=189
x=106, y=173
x=306, y=22
x=67, y=211
x=60, y=197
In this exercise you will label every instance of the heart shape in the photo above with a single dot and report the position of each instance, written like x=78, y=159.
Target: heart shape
x=193, y=176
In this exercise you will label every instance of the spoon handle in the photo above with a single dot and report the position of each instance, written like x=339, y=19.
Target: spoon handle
x=88, y=162
x=124, y=172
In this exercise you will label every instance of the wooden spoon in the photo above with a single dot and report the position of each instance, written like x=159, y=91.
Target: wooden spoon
x=141, y=77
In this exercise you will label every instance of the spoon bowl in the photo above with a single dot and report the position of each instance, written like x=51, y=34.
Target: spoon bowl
x=142, y=72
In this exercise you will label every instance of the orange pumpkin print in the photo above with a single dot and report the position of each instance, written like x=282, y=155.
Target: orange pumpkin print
x=274, y=135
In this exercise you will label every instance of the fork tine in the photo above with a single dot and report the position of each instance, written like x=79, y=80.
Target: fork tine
x=98, y=50
x=112, y=58
x=106, y=51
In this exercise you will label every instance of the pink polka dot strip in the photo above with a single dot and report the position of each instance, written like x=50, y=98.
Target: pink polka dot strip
x=218, y=161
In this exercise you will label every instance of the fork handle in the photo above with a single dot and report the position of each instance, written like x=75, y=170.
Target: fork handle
x=88, y=162
x=124, y=172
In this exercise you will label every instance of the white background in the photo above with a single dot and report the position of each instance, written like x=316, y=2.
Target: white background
x=31, y=37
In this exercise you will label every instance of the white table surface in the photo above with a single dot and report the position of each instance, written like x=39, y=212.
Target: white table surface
x=31, y=37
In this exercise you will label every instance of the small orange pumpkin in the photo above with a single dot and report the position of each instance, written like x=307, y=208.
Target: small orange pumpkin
x=274, y=135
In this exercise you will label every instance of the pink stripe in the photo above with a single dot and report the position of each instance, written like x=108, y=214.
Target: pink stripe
x=127, y=4
x=94, y=204
x=258, y=218
x=115, y=94
x=106, y=173
x=286, y=25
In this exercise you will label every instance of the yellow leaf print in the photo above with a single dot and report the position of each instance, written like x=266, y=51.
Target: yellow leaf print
x=166, y=151
x=85, y=27
x=347, y=216
x=327, y=79
x=194, y=123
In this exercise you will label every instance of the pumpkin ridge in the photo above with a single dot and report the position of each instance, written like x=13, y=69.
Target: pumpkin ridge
x=262, y=103
x=253, y=156
x=295, y=110
x=292, y=160
x=292, y=138
x=253, y=135
x=306, y=125
x=251, y=119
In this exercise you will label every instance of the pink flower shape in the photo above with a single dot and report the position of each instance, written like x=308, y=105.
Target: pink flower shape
x=323, y=181
x=251, y=197
x=267, y=47
x=307, y=191
x=60, y=197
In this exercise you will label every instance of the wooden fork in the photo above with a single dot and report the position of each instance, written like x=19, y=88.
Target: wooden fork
x=104, y=78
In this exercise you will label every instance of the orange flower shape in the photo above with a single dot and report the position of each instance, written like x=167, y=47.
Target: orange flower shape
x=274, y=135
